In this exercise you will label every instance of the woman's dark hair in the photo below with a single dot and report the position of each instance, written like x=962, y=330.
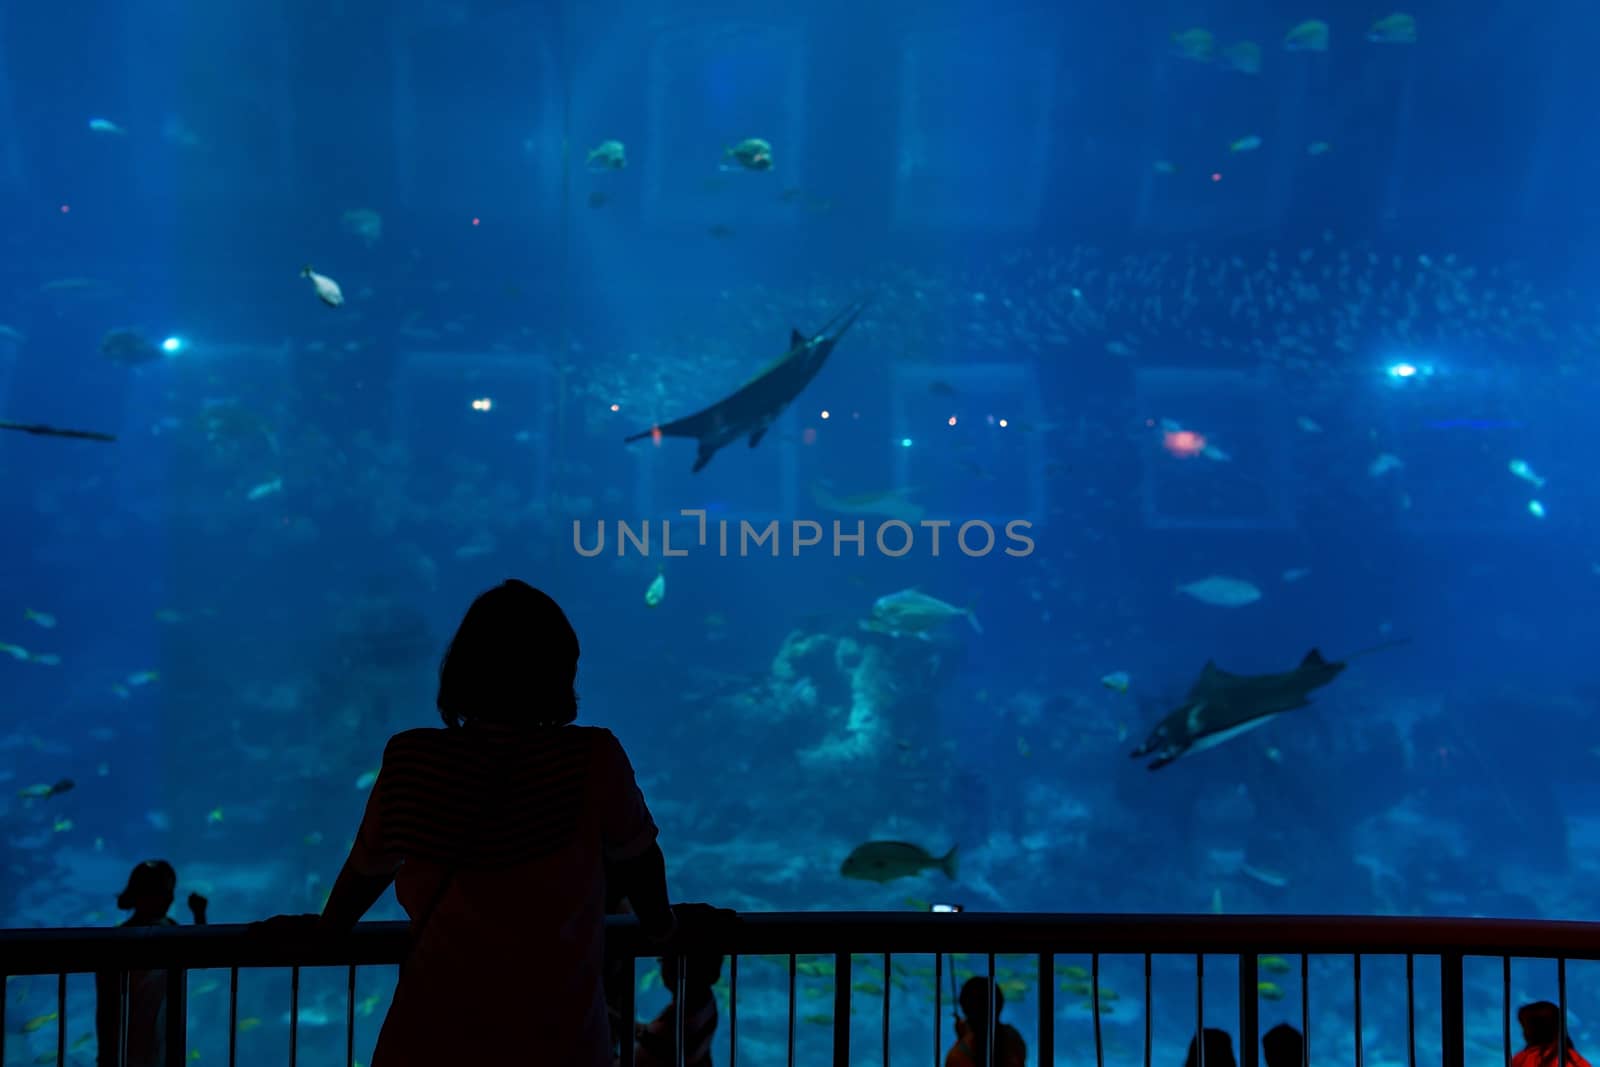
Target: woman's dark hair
x=150, y=878
x=513, y=660
x=1541, y=1024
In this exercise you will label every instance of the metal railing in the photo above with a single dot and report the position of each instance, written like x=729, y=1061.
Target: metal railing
x=851, y=936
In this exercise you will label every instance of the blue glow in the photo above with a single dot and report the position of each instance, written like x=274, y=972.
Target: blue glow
x=172, y=344
x=905, y=442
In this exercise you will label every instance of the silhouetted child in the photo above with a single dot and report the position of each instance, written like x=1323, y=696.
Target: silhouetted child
x=656, y=1041
x=1542, y=1031
x=1219, y=1050
x=1282, y=1046
x=972, y=1033
x=148, y=894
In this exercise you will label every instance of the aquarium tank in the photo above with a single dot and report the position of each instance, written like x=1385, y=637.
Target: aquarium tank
x=919, y=410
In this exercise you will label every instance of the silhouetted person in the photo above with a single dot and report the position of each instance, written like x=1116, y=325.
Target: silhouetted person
x=972, y=1033
x=1219, y=1050
x=656, y=1041
x=1282, y=1046
x=1542, y=1032
x=495, y=831
x=149, y=894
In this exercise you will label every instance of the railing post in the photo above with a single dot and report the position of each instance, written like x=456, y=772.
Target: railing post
x=177, y=1017
x=1249, y=1010
x=1452, y=1036
x=1047, y=1008
x=841, y=1009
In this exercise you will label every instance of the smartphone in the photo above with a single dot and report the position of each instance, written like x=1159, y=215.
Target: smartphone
x=946, y=907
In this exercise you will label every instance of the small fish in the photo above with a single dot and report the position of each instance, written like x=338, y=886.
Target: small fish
x=657, y=590
x=43, y=792
x=105, y=126
x=1519, y=467
x=1244, y=57
x=39, y=1022
x=139, y=678
x=1398, y=28
x=1309, y=36
x=1269, y=990
x=1118, y=681
x=885, y=861
x=1221, y=592
x=248, y=1023
x=607, y=155
x=752, y=153
x=1196, y=44
x=265, y=489
x=214, y=816
x=1163, y=166
x=1536, y=509
x=1273, y=964
x=15, y=651
x=1245, y=144
x=1318, y=148
x=39, y=618
x=61, y=825
x=328, y=290
x=1383, y=465
x=366, y=780
x=1294, y=574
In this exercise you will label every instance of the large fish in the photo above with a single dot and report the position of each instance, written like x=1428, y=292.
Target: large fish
x=1221, y=706
x=914, y=613
x=752, y=410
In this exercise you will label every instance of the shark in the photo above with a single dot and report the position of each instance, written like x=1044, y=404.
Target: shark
x=1221, y=705
x=751, y=411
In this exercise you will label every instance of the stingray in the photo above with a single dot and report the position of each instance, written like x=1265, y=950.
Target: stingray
x=751, y=411
x=1221, y=706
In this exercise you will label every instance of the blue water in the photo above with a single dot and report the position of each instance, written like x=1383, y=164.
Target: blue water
x=1069, y=266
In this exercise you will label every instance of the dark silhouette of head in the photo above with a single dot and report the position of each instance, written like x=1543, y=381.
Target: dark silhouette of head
x=975, y=1000
x=1541, y=1024
x=150, y=889
x=1219, y=1050
x=512, y=661
x=1282, y=1046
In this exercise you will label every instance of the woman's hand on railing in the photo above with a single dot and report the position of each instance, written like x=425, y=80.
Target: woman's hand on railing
x=697, y=921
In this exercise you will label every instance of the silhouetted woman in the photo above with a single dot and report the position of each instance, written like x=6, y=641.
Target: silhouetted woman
x=972, y=1033
x=148, y=895
x=495, y=831
x=1542, y=1033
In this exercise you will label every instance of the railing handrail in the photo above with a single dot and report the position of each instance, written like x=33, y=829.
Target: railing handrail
x=65, y=950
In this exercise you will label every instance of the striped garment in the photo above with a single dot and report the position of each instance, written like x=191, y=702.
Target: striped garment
x=508, y=830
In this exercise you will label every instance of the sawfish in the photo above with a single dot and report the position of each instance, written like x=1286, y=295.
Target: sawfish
x=751, y=411
x=1221, y=706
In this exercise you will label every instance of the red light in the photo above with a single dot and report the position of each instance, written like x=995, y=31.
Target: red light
x=1183, y=443
x=66, y=209
x=1216, y=177
x=474, y=220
